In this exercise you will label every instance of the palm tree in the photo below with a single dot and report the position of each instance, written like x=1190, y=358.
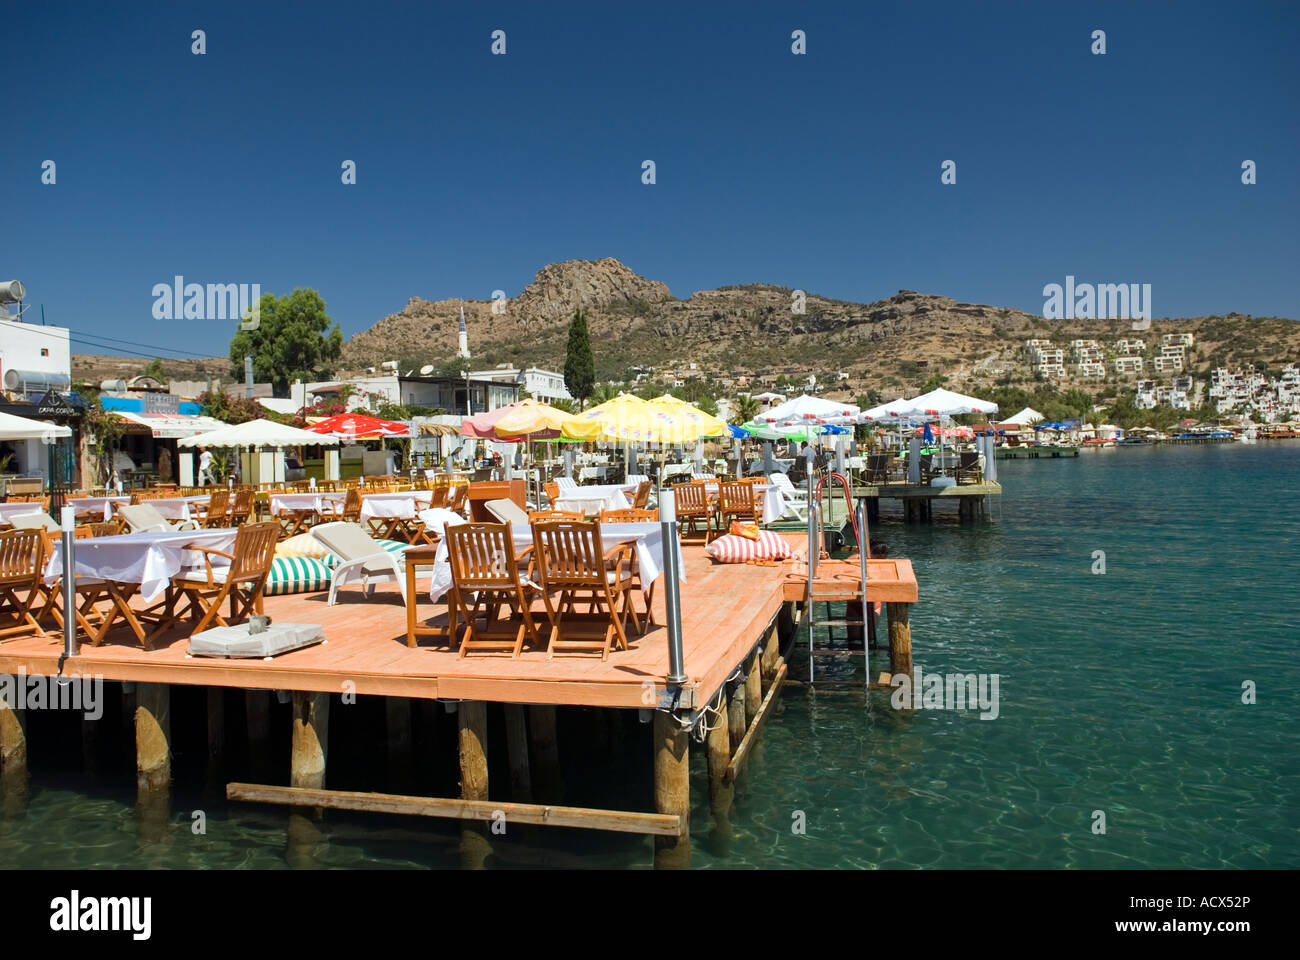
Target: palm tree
x=747, y=408
x=603, y=391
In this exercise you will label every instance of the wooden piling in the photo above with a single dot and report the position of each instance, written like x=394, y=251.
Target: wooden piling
x=521, y=784
x=672, y=767
x=397, y=724
x=736, y=712
x=753, y=690
x=216, y=726
x=718, y=752
x=13, y=740
x=900, y=638
x=310, y=749
x=472, y=719
x=548, y=781
x=153, y=763
x=771, y=654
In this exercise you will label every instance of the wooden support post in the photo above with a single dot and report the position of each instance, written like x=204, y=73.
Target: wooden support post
x=472, y=717
x=548, y=781
x=13, y=740
x=216, y=725
x=397, y=723
x=257, y=715
x=521, y=783
x=900, y=638
x=310, y=750
x=718, y=747
x=771, y=654
x=153, y=762
x=736, y=712
x=672, y=789
x=753, y=690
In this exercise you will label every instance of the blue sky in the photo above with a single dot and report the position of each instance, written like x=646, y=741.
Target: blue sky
x=820, y=172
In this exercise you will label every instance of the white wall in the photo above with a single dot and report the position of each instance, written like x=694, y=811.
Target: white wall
x=21, y=346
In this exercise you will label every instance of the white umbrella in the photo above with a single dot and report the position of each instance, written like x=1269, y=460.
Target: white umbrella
x=809, y=409
x=258, y=433
x=940, y=404
x=21, y=428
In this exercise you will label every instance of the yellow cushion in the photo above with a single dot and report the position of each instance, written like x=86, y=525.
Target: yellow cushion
x=303, y=545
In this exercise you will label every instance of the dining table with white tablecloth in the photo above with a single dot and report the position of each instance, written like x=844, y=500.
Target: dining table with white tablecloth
x=18, y=509
x=646, y=539
x=593, y=498
x=99, y=505
x=405, y=505
x=180, y=508
x=149, y=560
x=284, y=504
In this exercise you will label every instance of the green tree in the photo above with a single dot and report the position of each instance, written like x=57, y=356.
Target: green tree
x=154, y=370
x=234, y=408
x=579, y=365
x=294, y=339
x=746, y=407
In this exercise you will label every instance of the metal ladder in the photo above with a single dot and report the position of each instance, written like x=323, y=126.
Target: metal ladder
x=815, y=540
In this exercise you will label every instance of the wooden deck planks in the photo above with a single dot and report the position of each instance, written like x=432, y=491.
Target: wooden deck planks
x=726, y=608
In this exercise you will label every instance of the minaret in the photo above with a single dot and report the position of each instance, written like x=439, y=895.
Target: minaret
x=463, y=351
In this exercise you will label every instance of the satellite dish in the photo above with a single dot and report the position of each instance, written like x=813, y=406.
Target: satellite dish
x=426, y=370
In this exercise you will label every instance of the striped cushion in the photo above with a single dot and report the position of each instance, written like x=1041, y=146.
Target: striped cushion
x=297, y=575
x=303, y=545
x=734, y=549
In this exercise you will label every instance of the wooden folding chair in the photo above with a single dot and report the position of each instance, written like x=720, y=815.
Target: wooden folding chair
x=243, y=581
x=574, y=567
x=692, y=502
x=485, y=572
x=22, y=560
x=439, y=496
x=459, y=494
x=535, y=515
x=641, y=499
x=218, y=506
x=552, y=491
x=736, y=501
x=629, y=515
x=242, y=508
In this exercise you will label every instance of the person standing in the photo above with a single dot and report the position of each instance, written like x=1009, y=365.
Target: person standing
x=164, y=465
x=205, y=467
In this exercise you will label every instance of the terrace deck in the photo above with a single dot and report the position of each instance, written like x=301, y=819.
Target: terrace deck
x=726, y=611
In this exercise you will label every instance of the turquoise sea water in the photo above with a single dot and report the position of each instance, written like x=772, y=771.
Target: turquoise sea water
x=1119, y=693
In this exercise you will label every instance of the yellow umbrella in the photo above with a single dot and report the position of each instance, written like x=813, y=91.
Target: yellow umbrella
x=699, y=423
x=622, y=418
x=533, y=419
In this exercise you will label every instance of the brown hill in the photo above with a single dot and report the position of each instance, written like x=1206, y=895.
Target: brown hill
x=738, y=331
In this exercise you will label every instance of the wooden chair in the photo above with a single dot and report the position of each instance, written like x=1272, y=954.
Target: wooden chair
x=736, y=501
x=878, y=465
x=22, y=560
x=574, y=567
x=692, y=502
x=456, y=500
x=552, y=491
x=968, y=467
x=439, y=496
x=215, y=516
x=638, y=585
x=641, y=499
x=242, y=582
x=485, y=573
x=242, y=508
x=102, y=528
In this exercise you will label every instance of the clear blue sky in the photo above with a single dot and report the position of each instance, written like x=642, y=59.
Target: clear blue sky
x=819, y=172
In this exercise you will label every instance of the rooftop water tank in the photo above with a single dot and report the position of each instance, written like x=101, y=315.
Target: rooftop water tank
x=11, y=291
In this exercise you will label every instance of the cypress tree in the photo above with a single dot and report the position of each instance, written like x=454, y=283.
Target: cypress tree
x=579, y=365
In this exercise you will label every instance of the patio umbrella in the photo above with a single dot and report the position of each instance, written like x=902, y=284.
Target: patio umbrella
x=531, y=420
x=358, y=426
x=258, y=433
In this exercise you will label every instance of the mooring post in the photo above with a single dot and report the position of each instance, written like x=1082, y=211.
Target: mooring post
x=472, y=717
x=672, y=789
x=718, y=751
x=521, y=784
x=900, y=638
x=548, y=781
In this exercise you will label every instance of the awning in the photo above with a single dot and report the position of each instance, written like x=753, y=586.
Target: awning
x=24, y=428
x=170, y=426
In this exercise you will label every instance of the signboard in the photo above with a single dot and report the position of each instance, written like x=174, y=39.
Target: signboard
x=166, y=403
x=55, y=404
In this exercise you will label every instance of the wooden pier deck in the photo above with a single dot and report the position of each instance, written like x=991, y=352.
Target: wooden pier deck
x=726, y=610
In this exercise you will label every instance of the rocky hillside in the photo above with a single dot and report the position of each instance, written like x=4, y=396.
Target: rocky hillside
x=748, y=330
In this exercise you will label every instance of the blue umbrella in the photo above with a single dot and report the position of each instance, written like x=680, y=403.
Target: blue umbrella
x=927, y=437
x=834, y=429
x=736, y=433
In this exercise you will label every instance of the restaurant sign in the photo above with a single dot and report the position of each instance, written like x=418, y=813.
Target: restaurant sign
x=165, y=403
x=55, y=404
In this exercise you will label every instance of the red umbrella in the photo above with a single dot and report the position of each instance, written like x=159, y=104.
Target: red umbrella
x=358, y=426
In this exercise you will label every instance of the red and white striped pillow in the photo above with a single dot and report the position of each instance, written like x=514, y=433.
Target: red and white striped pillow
x=735, y=549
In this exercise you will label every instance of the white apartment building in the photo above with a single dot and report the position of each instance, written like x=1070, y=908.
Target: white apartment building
x=1146, y=394
x=545, y=385
x=1177, y=340
x=1130, y=347
x=34, y=358
x=1166, y=364
x=1091, y=370
x=1126, y=365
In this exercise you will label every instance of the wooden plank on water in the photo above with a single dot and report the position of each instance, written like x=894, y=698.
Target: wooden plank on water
x=585, y=818
x=742, y=752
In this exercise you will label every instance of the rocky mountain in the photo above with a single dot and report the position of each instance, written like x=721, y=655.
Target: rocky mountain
x=764, y=330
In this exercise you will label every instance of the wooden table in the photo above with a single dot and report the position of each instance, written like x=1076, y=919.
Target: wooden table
x=424, y=555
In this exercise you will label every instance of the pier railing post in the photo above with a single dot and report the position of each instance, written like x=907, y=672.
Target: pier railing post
x=672, y=589
x=68, y=523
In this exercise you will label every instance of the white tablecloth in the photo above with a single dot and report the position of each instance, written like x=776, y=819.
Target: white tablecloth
x=8, y=510
x=591, y=473
x=282, y=503
x=390, y=506
x=178, y=508
x=773, y=501
x=590, y=504
x=97, y=504
x=149, y=559
x=647, y=540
